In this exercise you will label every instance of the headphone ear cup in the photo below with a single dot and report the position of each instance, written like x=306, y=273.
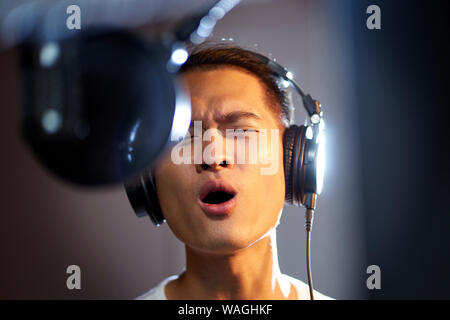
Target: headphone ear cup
x=293, y=151
x=288, y=145
x=142, y=194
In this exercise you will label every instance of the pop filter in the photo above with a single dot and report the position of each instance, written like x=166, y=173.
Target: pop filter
x=100, y=104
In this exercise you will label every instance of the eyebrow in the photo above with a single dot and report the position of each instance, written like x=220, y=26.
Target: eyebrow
x=237, y=115
x=233, y=117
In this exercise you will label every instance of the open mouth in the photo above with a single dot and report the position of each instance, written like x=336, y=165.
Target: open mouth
x=217, y=197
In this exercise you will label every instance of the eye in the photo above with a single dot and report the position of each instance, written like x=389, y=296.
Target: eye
x=243, y=131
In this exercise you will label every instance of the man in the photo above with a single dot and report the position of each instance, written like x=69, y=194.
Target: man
x=226, y=211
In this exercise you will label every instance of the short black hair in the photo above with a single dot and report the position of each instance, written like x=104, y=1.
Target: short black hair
x=213, y=55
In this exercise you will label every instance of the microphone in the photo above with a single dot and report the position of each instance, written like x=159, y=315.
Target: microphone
x=100, y=104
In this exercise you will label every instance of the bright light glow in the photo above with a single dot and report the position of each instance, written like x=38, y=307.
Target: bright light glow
x=284, y=83
x=315, y=118
x=321, y=125
x=181, y=117
x=49, y=54
x=51, y=121
x=309, y=133
x=204, y=32
x=320, y=162
x=179, y=56
x=217, y=13
x=226, y=5
x=196, y=38
x=289, y=75
x=133, y=131
x=207, y=22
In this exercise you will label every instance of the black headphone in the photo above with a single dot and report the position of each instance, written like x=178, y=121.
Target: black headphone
x=302, y=159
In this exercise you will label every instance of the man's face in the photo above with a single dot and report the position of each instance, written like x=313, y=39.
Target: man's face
x=223, y=99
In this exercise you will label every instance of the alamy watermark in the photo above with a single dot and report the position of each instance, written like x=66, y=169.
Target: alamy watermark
x=238, y=146
x=74, y=280
x=73, y=21
x=374, y=20
x=374, y=280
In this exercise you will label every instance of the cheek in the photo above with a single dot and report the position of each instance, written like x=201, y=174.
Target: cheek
x=172, y=191
x=272, y=180
x=177, y=195
x=269, y=186
x=271, y=158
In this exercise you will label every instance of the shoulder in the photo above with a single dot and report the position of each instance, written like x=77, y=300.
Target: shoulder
x=303, y=290
x=157, y=293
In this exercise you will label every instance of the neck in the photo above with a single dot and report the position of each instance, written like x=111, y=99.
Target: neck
x=250, y=273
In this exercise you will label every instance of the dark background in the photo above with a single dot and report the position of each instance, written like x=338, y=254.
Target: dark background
x=387, y=194
x=402, y=78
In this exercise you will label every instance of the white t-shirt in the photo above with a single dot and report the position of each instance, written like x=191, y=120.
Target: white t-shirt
x=302, y=289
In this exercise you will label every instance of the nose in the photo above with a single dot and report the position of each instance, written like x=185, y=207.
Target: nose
x=220, y=157
x=220, y=161
x=215, y=166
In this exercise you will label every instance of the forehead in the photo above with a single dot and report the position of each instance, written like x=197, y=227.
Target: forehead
x=219, y=91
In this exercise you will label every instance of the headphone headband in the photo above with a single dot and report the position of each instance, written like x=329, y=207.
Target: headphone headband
x=312, y=107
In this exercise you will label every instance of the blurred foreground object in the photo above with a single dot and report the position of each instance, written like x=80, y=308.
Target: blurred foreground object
x=100, y=103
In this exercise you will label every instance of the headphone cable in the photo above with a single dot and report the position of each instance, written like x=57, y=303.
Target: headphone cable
x=309, y=215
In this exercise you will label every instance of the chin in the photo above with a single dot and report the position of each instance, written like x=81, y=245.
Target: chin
x=226, y=242
x=221, y=248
